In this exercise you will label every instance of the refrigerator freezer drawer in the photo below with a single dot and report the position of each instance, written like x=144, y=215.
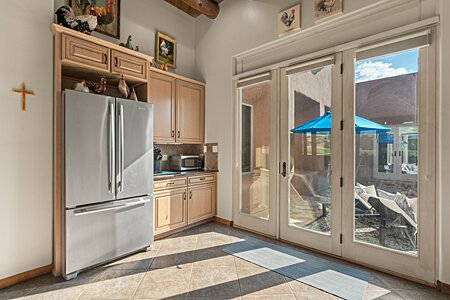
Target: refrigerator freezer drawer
x=100, y=233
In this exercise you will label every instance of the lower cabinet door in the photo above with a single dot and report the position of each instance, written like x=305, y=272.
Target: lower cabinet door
x=170, y=210
x=202, y=202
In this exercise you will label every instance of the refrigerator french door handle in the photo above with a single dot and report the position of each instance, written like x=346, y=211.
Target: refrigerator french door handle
x=112, y=150
x=121, y=146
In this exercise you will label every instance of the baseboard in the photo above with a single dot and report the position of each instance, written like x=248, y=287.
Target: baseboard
x=443, y=287
x=223, y=221
x=8, y=281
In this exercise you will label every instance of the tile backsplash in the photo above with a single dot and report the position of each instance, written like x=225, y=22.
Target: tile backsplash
x=211, y=158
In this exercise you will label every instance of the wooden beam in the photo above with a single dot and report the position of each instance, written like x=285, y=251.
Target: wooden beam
x=206, y=7
x=184, y=7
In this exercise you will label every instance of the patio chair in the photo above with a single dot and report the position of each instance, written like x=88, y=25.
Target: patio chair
x=393, y=218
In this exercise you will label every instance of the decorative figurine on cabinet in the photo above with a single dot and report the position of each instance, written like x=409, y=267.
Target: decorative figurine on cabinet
x=98, y=87
x=128, y=44
x=123, y=88
x=133, y=95
x=81, y=87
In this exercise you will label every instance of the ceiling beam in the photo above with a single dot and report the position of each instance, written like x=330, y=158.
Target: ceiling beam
x=207, y=7
x=184, y=7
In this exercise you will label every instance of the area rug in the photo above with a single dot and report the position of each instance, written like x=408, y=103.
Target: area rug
x=338, y=279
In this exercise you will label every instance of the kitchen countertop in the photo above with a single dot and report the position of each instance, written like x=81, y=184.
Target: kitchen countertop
x=172, y=174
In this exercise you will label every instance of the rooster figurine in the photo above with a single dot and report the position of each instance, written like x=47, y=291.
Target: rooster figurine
x=66, y=17
x=98, y=87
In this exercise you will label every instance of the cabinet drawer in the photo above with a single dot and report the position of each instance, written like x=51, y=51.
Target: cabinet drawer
x=87, y=53
x=126, y=64
x=207, y=178
x=169, y=184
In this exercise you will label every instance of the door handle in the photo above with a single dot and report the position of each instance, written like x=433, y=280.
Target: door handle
x=116, y=62
x=190, y=194
x=179, y=134
x=105, y=59
x=87, y=211
x=184, y=196
x=122, y=150
x=173, y=133
x=284, y=170
x=112, y=150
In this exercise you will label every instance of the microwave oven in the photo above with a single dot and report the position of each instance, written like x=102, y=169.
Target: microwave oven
x=186, y=162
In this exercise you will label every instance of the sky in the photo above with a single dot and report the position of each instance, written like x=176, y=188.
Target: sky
x=387, y=66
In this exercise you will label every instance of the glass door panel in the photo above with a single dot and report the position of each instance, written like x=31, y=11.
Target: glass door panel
x=255, y=146
x=387, y=113
x=388, y=216
x=255, y=201
x=310, y=150
x=309, y=140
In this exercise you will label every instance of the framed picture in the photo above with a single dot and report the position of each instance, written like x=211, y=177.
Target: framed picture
x=289, y=19
x=324, y=9
x=166, y=50
x=107, y=12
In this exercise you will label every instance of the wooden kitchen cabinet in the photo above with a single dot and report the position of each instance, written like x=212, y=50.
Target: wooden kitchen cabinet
x=182, y=201
x=122, y=63
x=201, y=204
x=162, y=95
x=190, y=112
x=170, y=210
x=84, y=52
x=179, y=108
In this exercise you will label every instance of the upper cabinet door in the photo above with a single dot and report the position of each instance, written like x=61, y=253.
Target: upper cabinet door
x=84, y=52
x=162, y=95
x=190, y=112
x=126, y=64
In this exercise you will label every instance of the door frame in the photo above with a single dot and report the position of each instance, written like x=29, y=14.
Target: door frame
x=329, y=243
x=268, y=227
x=422, y=266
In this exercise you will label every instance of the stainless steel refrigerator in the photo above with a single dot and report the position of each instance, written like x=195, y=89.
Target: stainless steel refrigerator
x=108, y=179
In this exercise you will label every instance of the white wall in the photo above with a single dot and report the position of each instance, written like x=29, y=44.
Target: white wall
x=241, y=25
x=26, y=137
x=143, y=18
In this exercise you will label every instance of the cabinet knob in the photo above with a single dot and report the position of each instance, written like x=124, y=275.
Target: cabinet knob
x=179, y=134
x=105, y=59
x=116, y=62
x=173, y=133
x=184, y=196
x=190, y=195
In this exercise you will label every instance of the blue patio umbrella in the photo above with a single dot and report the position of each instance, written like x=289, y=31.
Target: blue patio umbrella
x=322, y=124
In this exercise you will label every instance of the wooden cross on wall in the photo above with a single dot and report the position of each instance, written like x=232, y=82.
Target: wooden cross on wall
x=24, y=93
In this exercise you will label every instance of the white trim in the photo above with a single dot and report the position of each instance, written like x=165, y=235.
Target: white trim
x=390, y=34
x=348, y=18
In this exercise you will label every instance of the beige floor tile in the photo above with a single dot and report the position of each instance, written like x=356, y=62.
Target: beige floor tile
x=306, y=292
x=167, y=258
x=165, y=283
x=138, y=261
x=266, y=283
x=214, y=282
x=114, y=284
x=397, y=283
x=269, y=297
x=422, y=294
x=181, y=244
x=211, y=258
x=18, y=290
x=381, y=294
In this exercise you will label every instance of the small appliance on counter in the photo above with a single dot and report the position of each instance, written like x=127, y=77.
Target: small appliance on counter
x=157, y=156
x=186, y=162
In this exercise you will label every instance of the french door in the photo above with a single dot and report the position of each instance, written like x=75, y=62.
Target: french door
x=256, y=152
x=310, y=154
x=388, y=195
x=338, y=154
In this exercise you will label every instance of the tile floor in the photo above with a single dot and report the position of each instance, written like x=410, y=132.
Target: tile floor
x=192, y=265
